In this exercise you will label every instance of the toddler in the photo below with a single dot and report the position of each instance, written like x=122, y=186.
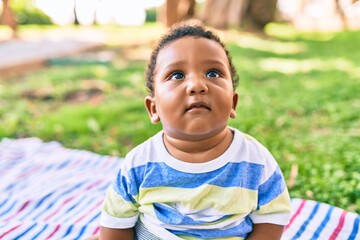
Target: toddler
x=198, y=178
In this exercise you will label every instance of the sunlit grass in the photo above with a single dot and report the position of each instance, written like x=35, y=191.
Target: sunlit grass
x=288, y=32
x=298, y=96
x=267, y=45
x=293, y=66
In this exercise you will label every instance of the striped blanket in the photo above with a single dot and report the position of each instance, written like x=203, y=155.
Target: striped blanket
x=48, y=191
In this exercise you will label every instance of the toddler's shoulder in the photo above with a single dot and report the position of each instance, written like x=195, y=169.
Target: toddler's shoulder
x=248, y=140
x=255, y=150
x=144, y=152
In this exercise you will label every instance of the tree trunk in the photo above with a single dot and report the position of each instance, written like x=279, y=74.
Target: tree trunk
x=177, y=10
x=237, y=9
x=341, y=13
x=262, y=12
x=233, y=13
x=7, y=17
x=215, y=13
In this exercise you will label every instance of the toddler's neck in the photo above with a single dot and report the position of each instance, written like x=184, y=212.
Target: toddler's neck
x=199, y=151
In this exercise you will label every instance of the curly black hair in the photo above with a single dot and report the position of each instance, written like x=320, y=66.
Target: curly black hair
x=179, y=31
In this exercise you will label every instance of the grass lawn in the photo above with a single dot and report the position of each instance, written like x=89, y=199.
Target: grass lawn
x=299, y=96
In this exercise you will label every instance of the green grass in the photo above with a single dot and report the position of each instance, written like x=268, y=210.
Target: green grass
x=299, y=96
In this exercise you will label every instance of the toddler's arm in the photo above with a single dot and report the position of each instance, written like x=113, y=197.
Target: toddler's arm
x=114, y=234
x=266, y=231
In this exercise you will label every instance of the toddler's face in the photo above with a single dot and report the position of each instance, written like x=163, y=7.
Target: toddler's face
x=193, y=92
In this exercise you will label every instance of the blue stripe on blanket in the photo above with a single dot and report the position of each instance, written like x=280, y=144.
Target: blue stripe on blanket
x=306, y=223
x=323, y=224
x=355, y=230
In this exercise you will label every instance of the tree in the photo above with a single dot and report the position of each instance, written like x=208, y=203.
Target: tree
x=177, y=10
x=7, y=17
x=237, y=13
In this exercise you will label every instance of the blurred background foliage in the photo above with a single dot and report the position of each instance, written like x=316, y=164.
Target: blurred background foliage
x=27, y=13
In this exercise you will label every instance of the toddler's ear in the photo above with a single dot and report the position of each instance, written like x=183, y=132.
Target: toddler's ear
x=150, y=105
x=235, y=101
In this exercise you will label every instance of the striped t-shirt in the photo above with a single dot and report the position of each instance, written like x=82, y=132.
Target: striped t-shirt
x=221, y=198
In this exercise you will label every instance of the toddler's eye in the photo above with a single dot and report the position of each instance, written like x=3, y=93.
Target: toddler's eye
x=213, y=74
x=177, y=76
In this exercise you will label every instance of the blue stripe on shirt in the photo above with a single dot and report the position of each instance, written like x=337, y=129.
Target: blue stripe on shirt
x=245, y=226
x=235, y=174
x=171, y=216
x=272, y=188
x=128, y=189
x=244, y=174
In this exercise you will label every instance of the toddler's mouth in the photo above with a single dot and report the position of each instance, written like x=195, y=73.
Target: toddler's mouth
x=198, y=105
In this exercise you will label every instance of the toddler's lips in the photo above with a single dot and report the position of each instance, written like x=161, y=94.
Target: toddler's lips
x=198, y=105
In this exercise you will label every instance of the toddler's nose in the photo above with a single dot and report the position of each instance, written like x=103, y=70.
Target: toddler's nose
x=196, y=85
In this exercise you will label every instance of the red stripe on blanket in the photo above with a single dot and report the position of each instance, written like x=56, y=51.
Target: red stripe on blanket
x=29, y=172
x=10, y=230
x=339, y=226
x=298, y=211
x=94, y=184
x=96, y=231
x=96, y=206
x=59, y=208
x=19, y=211
x=53, y=233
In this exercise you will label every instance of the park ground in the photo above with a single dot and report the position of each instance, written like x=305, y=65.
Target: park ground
x=298, y=96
